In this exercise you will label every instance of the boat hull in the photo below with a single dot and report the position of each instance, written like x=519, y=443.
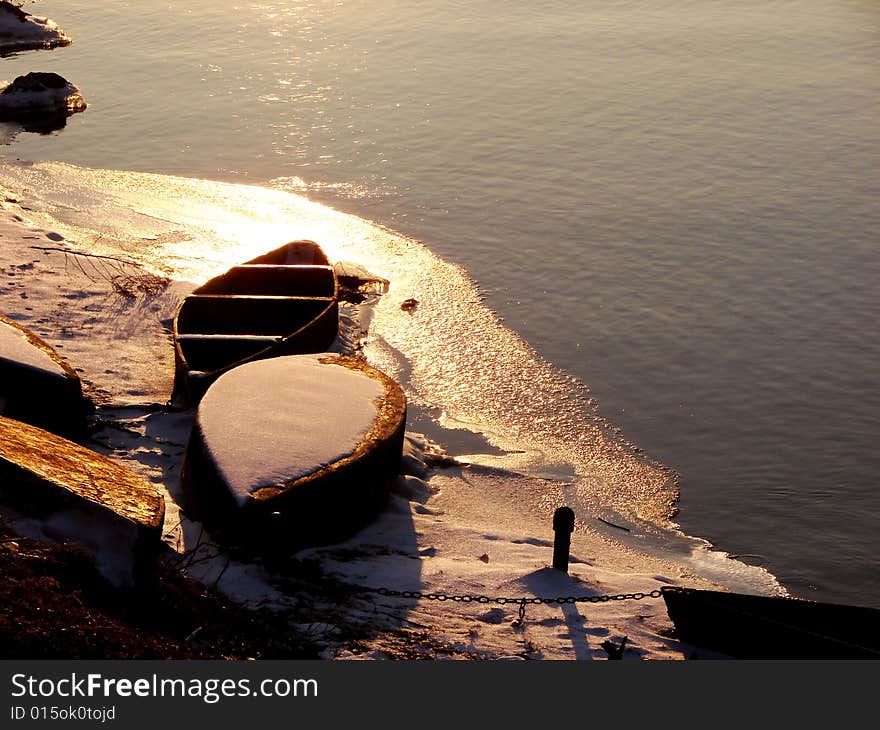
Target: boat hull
x=37, y=386
x=763, y=627
x=327, y=504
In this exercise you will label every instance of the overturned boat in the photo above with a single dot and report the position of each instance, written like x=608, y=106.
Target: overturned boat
x=36, y=385
x=76, y=494
x=293, y=451
x=285, y=302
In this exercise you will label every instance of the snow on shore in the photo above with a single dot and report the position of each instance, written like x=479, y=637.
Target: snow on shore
x=450, y=529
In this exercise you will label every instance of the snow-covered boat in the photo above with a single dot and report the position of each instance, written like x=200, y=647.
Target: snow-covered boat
x=766, y=627
x=36, y=385
x=82, y=496
x=285, y=302
x=293, y=451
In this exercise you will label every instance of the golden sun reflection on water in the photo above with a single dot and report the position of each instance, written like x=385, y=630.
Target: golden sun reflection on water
x=451, y=352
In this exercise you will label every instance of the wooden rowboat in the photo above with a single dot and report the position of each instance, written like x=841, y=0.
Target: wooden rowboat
x=36, y=385
x=764, y=627
x=285, y=302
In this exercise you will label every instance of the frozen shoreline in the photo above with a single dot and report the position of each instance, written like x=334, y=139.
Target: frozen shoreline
x=447, y=530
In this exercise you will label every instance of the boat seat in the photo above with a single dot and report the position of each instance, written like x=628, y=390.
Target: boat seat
x=258, y=339
x=274, y=279
x=247, y=315
x=210, y=352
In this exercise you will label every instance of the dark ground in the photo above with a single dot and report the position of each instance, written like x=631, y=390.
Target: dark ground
x=56, y=606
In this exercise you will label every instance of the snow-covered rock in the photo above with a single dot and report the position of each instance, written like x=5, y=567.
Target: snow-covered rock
x=20, y=31
x=39, y=94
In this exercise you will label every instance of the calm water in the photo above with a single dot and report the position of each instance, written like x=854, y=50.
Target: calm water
x=676, y=202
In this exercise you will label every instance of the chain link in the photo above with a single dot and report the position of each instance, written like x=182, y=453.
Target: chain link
x=502, y=600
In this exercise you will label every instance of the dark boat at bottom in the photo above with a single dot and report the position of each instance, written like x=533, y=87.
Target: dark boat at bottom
x=746, y=626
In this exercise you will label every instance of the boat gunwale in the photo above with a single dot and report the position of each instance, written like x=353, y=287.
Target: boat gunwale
x=222, y=295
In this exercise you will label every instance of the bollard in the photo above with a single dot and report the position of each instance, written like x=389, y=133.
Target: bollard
x=563, y=526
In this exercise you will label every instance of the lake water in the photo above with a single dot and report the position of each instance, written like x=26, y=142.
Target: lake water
x=676, y=203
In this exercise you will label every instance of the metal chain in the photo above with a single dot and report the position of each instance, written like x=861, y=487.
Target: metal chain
x=522, y=601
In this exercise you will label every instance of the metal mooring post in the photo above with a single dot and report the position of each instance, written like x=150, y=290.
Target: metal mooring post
x=563, y=526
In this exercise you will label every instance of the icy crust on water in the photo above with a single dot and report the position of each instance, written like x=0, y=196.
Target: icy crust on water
x=452, y=355
x=450, y=351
